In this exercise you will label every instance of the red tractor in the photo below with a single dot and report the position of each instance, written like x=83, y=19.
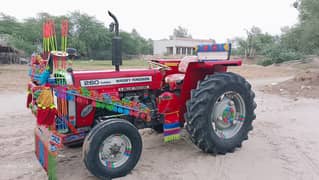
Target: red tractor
x=108, y=107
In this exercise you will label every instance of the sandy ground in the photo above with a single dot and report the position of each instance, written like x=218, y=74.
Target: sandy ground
x=283, y=145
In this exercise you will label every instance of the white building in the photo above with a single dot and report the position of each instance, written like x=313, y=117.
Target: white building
x=177, y=46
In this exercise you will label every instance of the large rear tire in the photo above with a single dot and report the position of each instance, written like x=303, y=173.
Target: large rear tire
x=112, y=148
x=220, y=113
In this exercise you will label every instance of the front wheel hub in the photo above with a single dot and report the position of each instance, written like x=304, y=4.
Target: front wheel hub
x=115, y=150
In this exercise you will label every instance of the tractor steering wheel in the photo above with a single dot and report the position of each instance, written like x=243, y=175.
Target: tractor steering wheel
x=162, y=66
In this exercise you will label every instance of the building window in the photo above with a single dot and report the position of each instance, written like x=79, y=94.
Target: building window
x=189, y=51
x=178, y=50
x=183, y=51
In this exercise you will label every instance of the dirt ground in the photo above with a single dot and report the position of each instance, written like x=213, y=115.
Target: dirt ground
x=305, y=84
x=283, y=145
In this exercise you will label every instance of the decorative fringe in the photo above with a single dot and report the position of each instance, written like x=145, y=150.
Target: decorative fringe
x=46, y=116
x=171, y=138
x=171, y=131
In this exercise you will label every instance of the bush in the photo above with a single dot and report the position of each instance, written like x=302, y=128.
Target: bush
x=287, y=56
x=266, y=62
x=277, y=54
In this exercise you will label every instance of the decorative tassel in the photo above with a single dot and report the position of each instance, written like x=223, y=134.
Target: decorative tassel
x=45, y=116
x=172, y=127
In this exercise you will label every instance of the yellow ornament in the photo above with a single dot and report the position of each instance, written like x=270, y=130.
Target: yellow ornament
x=226, y=47
x=195, y=49
x=45, y=98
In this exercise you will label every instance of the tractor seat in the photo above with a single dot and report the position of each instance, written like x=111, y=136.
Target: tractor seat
x=178, y=78
x=204, y=53
x=182, y=67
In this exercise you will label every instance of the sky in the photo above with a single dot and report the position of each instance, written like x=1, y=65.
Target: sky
x=204, y=19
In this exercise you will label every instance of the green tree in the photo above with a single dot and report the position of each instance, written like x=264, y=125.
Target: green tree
x=143, y=46
x=304, y=36
x=180, y=32
x=254, y=43
x=88, y=35
x=9, y=25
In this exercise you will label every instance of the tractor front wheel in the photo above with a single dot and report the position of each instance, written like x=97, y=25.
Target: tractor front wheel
x=220, y=112
x=112, y=149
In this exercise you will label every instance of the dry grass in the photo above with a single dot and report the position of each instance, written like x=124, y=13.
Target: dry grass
x=256, y=72
x=14, y=78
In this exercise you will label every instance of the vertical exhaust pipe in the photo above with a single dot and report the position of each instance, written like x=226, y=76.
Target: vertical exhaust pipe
x=116, y=43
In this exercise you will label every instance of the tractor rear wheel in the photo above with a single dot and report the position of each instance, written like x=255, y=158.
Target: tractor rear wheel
x=220, y=112
x=112, y=148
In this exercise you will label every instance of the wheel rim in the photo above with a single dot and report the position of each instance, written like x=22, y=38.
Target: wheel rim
x=115, y=151
x=228, y=114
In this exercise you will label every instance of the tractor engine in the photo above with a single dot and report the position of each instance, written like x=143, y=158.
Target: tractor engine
x=148, y=98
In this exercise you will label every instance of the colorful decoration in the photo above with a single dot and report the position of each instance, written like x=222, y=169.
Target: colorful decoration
x=171, y=127
x=62, y=106
x=64, y=34
x=226, y=47
x=59, y=60
x=213, y=48
x=45, y=116
x=241, y=118
x=49, y=38
x=167, y=107
x=229, y=114
x=52, y=122
x=45, y=98
x=104, y=101
x=127, y=152
x=38, y=71
x=45, y=152
x=74, y=137
x=40, y=101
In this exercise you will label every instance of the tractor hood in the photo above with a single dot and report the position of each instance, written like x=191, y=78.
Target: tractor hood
x=124, y=80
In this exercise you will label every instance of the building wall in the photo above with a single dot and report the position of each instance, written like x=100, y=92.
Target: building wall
x=160, y=47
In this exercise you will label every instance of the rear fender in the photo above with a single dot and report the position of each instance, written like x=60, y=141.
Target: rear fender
x=196, y=71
